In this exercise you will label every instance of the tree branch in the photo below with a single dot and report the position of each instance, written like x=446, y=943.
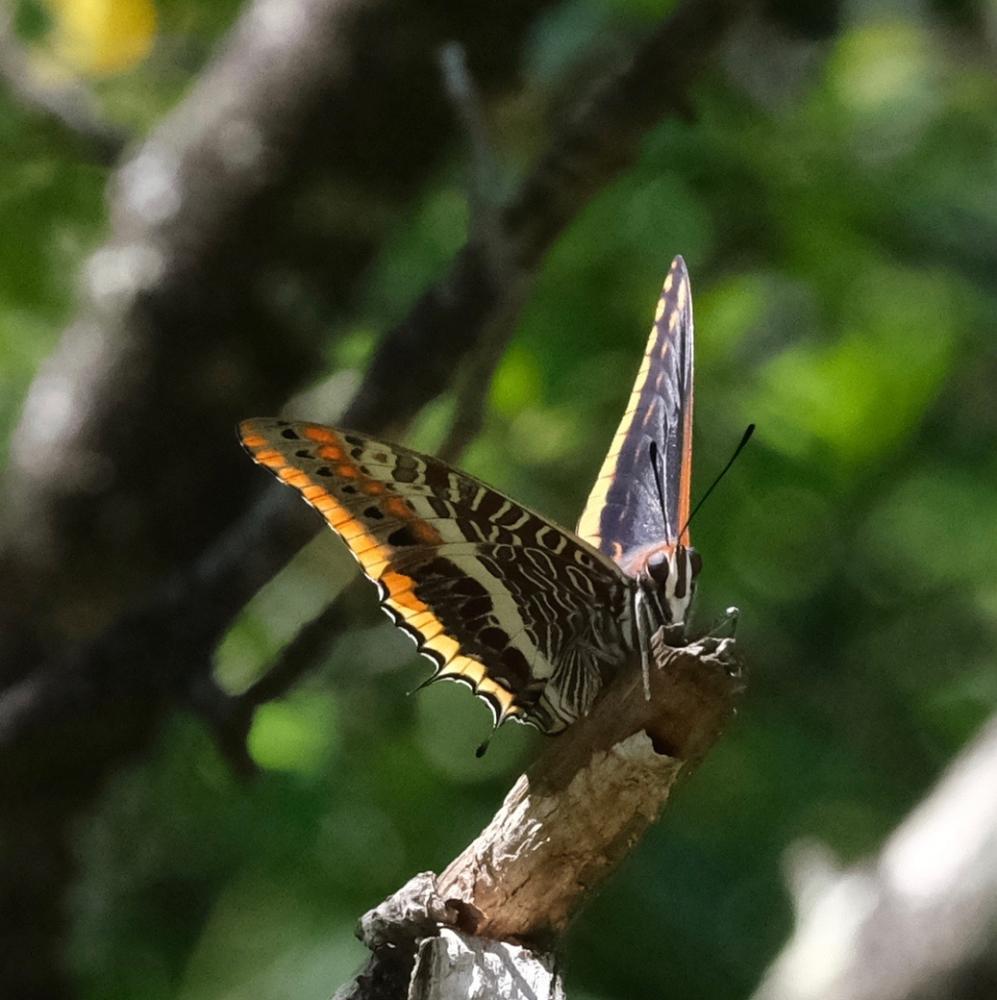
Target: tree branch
x=918, y=922
x=565, y=826
x=455, y=966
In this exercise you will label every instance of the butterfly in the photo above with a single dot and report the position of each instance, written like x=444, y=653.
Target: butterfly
x=535, y=619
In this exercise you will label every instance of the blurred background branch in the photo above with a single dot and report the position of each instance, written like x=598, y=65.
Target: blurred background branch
x=918, y=921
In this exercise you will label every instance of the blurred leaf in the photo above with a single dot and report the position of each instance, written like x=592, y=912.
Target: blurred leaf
x=296, y=734
x=933, y=531
x=858, y=398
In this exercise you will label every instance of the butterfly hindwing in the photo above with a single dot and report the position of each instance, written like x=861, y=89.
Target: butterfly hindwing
x=497, y=596
x=624, y=509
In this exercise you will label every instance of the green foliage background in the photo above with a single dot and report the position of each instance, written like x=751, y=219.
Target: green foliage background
x=836, y=201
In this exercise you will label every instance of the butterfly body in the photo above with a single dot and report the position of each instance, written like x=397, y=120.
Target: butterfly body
x=533, y=618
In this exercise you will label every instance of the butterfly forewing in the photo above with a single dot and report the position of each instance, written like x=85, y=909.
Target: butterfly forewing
x=497, y=596
x=624, y=509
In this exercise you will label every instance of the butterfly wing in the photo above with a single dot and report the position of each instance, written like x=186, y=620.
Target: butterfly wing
x=624, y=509
x=524, y=613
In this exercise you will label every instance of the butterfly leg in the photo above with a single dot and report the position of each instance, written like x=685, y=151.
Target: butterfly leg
x=645, y=669
x=645, y=634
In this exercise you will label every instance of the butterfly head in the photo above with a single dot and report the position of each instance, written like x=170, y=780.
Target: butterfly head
x=673, y=568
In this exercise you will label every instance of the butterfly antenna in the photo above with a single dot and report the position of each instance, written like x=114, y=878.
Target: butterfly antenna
x=656, y=468
x=745, y=438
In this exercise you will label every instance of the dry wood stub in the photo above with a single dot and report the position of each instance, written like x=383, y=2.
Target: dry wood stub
x=563, y=828
x=577, y=812
x=453, y=965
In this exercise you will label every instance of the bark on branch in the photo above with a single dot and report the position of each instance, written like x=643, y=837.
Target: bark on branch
x=564, y=827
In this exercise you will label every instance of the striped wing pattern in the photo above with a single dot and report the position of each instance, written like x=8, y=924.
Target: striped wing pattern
x=624, y=510
x=530, y=617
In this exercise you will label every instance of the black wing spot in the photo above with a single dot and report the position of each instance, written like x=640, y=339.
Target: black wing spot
x=356, y=452
x=402, y=536
x=467, y=586
x=290, y=434
x=439, y=568
x=494, y=638
x=476, y=607
x=353, y=439
x=349, y=488
x=517, y=670
x=548, y=539
x=325, y=471
x=374, y=513
x=303, y=453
